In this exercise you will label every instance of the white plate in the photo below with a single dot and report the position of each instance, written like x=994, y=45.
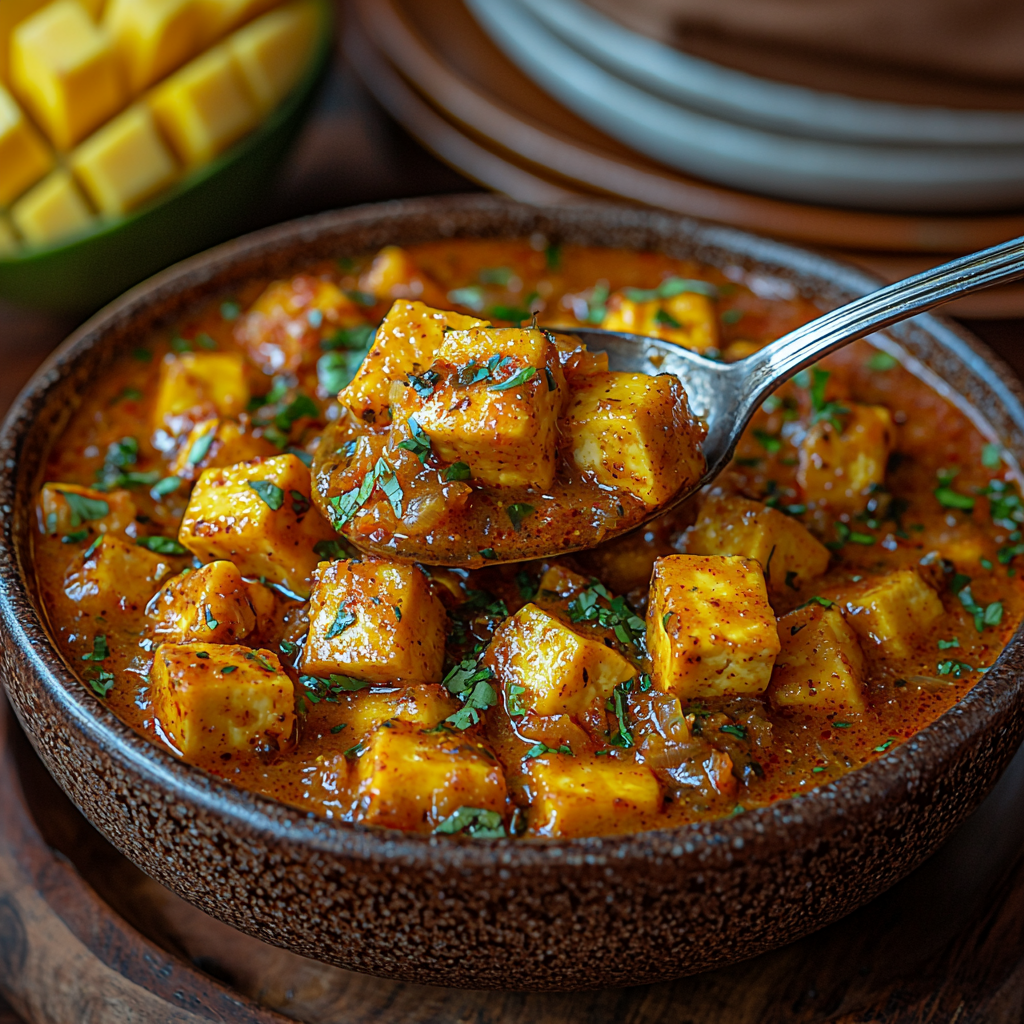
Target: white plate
x=761, y=102
x=862, y=175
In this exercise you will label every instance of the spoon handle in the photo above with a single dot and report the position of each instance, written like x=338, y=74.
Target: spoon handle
x=766, y=370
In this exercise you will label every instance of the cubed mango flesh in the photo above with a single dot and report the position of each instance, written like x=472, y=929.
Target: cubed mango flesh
x=892, y=611
x=153, y=37
x=209, y=605
x=117, y=577
x=24, y=156
x=194, y=386
x=52, y=211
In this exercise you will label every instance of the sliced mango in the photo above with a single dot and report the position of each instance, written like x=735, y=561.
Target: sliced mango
x=53, y=210
x=153, y=37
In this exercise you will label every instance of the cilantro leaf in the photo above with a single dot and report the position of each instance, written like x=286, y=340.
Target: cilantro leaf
x=881, y=361
x=101, y=682
x=162, y=545
x=517, y=512
x=342, y=620
x=100, y=651
x=525, y=374
x=271, y=495
x=200, y=447
x=458, y=471
x=419, y=443
x=85, y=509
x=474, y=822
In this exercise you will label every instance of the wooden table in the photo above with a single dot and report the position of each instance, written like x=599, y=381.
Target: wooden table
x=946, y=945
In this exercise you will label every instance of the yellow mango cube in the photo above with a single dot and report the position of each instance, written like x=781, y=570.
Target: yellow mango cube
x=64, y=508
x=394, y=275
x=576, y=796
x=710, y=629
x=210, y=605
x=221, y=16
x=732, y=525
x=821, y=664
x=124, y=163
x=634, y=431
x=556, y=671
x=260, y=516
x=64, y=68
x=153, y=37
x=12, y=13
x=219, y=700
x=52, y=211
x=8, y=238
x=375, y=620
x=24, y=156
x=231, y=442
x=116, y=578
x=195, y=386
x=204, y=107
x=688, y=319
x=413, y=780
x=839, y=467
x=892, y=612
x=272, y=53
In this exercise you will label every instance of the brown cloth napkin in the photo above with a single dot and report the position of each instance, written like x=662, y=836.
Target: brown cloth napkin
x=965, y=53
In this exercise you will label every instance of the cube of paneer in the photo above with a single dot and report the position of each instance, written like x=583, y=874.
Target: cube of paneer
x=375, y=620
x=217, y=700
x=558, y=582
x=503, y=426
x=821, y=664
x=555, y=669
x=634, y=431
x=115, y=578
x=260, y=516
x=67, y=508
x=710, y=629
x=231, y=442
x=24, y=156
x=406, y=342
x=197, y=385
x=413, y=780
x=52, y=210
x=394, y=275
x=892, y=611
x=732, y=525
x=577, y=796
x=426, y=704
x=210, y=605
x=153, y=37
x=687, y=318
x=840, y=467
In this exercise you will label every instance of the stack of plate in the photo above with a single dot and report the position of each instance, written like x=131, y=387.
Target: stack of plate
x=546, y=101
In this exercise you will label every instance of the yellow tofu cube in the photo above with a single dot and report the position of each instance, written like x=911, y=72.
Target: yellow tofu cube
x=375, y=620
x=838, y=468
x=406, y=342
x=8, y=238
x=556, y=671
x=64, y=508
x=194, y=386
x=221, y=16
x=64, y=68
x=260, y=516
x=153, y=37
x=218, y=700
x=204, y=107
x=24, y=156
x=821, y=664
x=124, y=163
x=394, y=275
x=634, y=431
x=210, y=605
x=364, y=710
x=688, y=319
x=413, y=780
x=892, y=612
x=731, y=525
x=231, y=442
x=710, y=629
x=272, y=53
x=116, y=578
x=576, y=796
x=52, y=211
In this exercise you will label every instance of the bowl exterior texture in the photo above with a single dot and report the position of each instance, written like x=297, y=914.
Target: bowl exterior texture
x=498, y=914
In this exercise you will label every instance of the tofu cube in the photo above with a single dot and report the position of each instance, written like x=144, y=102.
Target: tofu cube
x=118, y=577
x=634, y=431
x=892, y=612
x=204, y=107
x=124, y=163
x=52, y=211
x=364, y=710
x=560, y=671
x=260, y=516
x=375, y=620
x=507, y=435
x=194, y=386
x=24, y=156
x=394, y=275
x=232, y=442
x=64, y=69
x=272, y=53
x=821, y=664
x=732, y=525
x=576, y=796
x=153, y=37
x=837, y=467
x=406, y=342
x=209, y=605
x=65, y=508
x=710, y=629
x=688, y=319
x=218, y=700
x=413, y=780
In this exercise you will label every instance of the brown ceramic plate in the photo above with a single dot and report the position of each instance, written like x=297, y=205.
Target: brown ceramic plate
x=620, y=910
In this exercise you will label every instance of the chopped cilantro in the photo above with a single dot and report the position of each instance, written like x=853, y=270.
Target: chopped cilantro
x=473, y=822
x=666, y=319
x=487, y=553
x=100, y=651
x=162, y=545
x=230, y=310
x=472, y=297
x=201, y=446
x=955, y=668
x=91, y=549
x=168, y=485
x=496, y=275
x=211, y=622
x=342, y=620
x=457, y=471
x=823, y=601
x=299, y=407
x=734, y=730
x=991, y=456
x=525, y=374
x=85, y=509
x=101, y=682
x=228, y=669
x=356, y=750
x=671, y=287
x=517, y=512
x=424, y=384
x=617, y=703
x=271, y=495
x=539, y=749
x=769, y=442
x=419, y=443
x=335, y=729
x=513, y=702
x=331, y=550
x=732, y=316
x=881, y=361
x=358, y=337
x=74, y=538
x=597, y=305
x=882, y=747
x=553, y=256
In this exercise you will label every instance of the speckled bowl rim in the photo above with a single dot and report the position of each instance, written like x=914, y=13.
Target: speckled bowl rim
x=905, y=767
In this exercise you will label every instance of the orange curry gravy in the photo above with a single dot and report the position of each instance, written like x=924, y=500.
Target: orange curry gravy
x=948, y=509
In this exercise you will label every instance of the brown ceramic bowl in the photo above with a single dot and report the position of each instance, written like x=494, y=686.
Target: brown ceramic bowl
x=621, y=910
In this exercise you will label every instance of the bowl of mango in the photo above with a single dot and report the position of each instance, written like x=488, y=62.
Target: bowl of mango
x=134, y=133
